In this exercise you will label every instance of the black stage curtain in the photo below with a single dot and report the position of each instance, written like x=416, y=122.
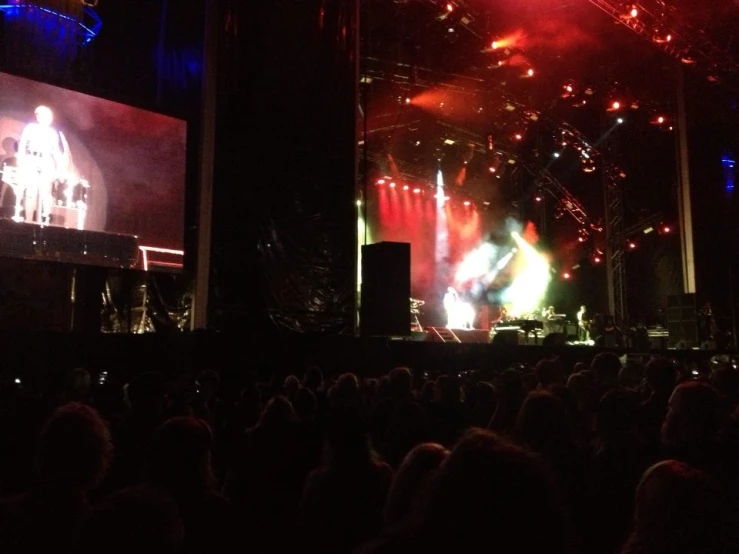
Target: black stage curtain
x=285, y=212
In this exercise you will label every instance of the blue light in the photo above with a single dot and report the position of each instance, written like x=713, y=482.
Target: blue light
x=88, y=27
x=729, y=163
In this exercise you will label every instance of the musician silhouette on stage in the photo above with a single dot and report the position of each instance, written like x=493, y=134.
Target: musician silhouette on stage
x=460, y=315
x=42, y=158
x=582, y=325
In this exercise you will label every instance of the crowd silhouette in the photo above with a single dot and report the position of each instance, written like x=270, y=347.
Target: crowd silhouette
x=599, y=458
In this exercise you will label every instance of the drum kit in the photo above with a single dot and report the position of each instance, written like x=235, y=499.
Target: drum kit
x=67, y=192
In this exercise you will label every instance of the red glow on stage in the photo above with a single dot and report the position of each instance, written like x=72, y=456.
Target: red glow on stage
x=450, y=7
x=413, y=218
x=405, y=187
x=566, y=275
x=392, y=185
x=416, y=191
x=380, y=181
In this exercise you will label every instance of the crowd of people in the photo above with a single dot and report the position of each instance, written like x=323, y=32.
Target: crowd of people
x=609, y=457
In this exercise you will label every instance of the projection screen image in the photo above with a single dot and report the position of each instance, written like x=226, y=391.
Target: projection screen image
x=74, y=164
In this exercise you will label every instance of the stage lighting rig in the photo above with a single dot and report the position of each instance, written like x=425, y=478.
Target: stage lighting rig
x=681, y=42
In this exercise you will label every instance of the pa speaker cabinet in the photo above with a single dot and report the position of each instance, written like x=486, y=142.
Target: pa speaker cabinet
x=385, y=308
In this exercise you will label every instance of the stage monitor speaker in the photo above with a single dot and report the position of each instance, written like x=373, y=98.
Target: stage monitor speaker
x=683, y=334
x=682, y=323
x=554, y=339
x=386, y=289
x=509, y=337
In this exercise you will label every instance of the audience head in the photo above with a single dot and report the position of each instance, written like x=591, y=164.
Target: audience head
x=78, y=385
x=346, y=389
x=631, y=375
x=147, y=392
x=485, y=394
x=606, y=367
x=692, y=418
x=485, y=491
x=401, y=382
x=180, y=455
x=725, y=380
x=136, y=519
x=542, y=424
x=616, y=415
x=407, y=493
x=661, y=375
x=306, y=404
x=291, y=386
x=347, y=435
x=547, y=372
x=313, y=378
x=678, y=509
x=578, y=385
x=209, y=381
x=278, y=414
x=74, y=448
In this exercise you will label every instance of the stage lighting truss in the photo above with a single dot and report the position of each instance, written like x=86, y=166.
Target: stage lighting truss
x=88, y=26
x=685, y=44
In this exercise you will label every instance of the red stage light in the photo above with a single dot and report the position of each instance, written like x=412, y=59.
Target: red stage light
x=492, y=169
x=616, y=105
x=449, y=7
x=530, y=72
x=660, y=119
x=466, y=202
x=380, y=181
x=668, y=38
x=632, y=245
x=537, y=198
x=407, y=100
x=416, y=191
x=566, y=275
x=634, y=12
x=518, y=136
x=495, y=45
x=392, y=185
x=665, y=229
x=596, y=260
x=405, y=187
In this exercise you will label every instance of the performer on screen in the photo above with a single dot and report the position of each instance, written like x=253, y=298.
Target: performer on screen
x=43, y=157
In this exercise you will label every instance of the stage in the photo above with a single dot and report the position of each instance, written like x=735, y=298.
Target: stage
x=507, y=335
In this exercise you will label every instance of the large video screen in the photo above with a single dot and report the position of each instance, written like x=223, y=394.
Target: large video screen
x=87, y=180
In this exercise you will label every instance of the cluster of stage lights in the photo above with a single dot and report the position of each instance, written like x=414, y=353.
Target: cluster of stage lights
x=597, y=256
x=387, y=181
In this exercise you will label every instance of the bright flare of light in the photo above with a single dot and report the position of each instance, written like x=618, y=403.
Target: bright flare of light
x=441, y=251
x=363, y=237
x=532, y=277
